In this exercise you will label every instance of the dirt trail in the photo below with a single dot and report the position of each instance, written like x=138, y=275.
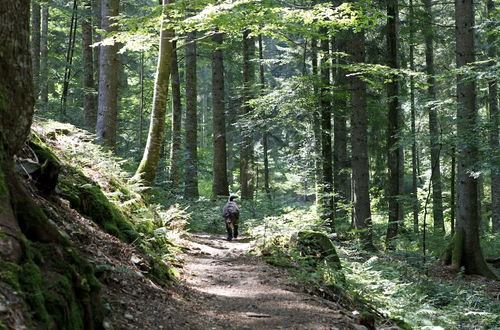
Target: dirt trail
x=231, y=290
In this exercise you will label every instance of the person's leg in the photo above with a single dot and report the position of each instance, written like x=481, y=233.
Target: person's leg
x=229, y=232
x=235, y=231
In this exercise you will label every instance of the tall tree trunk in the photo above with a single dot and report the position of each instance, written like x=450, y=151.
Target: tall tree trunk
x=466, y=250
x=453, y=185
x=393, y=157
x=494, y=131
x=414, y=156
x=246, y=152
x=220, y=186
x=97, y=5
x=16, y=111
x=146, y=172
x=341, y=163
x=44, y=51
x=191, y=170
x=35, y=43
x=107, y=112
x=264, y=134
x=89, y=106
x=69, y=58
x=359, y=141
x=327, y=206
x=435, y=140
x=316, y=122
x=175, y=149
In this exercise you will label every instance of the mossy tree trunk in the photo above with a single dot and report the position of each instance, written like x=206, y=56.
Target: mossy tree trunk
x=146, y=172
x=72, y=282
x=466, y=248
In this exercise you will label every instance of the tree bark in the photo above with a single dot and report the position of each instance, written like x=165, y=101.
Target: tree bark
x=435, y=140
x=393, y=157
x=341, y=162
x=107, y=112
x=494, y=131
x=466, y=250
x=327, y=206
x=146, y=172
x=191, y=169
x=264, y=134
x=316, y=122
x=35, y=43
x=220, y=185
x=175, y=149
x=359, y=141
x=16, y=111
x=246, y=151
x=414, y=156
x=89, y=92
x=44, y=51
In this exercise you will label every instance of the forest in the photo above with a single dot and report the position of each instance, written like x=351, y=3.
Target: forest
x=359, y=140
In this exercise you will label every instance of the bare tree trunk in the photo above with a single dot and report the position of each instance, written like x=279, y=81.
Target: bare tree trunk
x=44, y=51
x=220, y=184
x=414, y=156
x=341, y=162
x=318, y=172
x=175, y=149
x=327, y=206
x=393, y=157
x=146, y=172
x=107, y=112
x=264, y=134
x=466, y=250
x=452, y=190
x=494, y=131
x=191, y=169
x=246, y=153
x=359, y=141
x=89, y=106
x=435, y=144
x=69, y=58
x=35, y=43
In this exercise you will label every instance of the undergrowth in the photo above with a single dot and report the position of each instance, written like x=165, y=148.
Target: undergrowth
x=89, y=167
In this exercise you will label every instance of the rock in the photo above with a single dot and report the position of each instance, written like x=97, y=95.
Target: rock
x=129, y=317
x=317, y=245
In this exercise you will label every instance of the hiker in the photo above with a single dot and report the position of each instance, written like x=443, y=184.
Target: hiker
x=231, y=216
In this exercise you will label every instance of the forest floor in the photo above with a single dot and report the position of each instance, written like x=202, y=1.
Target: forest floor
x=221, y=287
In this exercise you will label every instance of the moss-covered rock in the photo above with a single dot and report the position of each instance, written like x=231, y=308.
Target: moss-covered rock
x=58, y=287
x=315, y=245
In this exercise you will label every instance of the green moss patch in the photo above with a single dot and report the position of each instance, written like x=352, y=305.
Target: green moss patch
x=58, y=287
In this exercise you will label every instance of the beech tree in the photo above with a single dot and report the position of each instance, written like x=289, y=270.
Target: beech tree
x=146, y=172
